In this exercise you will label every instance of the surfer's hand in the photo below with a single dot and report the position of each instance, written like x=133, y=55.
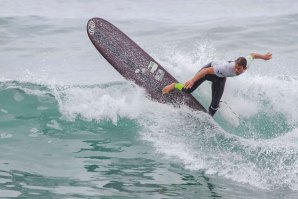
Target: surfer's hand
x=267, y=56
x=189, y=84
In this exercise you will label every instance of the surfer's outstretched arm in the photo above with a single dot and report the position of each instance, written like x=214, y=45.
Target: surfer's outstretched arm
x=266, y=56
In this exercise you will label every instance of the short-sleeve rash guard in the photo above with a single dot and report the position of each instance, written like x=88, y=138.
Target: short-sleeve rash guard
x=227, y=69
x=224, y=69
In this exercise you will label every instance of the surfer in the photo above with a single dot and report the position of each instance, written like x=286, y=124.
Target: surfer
x=217, y=73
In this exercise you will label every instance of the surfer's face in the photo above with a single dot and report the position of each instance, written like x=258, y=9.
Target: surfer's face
x=239, y=69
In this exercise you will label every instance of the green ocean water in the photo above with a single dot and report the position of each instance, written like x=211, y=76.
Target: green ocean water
x=51, y=151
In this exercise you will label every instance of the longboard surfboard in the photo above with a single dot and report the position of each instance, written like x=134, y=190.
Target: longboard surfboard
x=134, y=64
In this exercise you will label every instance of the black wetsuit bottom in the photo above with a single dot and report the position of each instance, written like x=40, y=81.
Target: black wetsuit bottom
x=218, y=86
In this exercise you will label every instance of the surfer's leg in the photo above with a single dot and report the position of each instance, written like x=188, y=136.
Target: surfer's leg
x=169, y=88
x=179, y=86
x=218, y=87
x=198, y=82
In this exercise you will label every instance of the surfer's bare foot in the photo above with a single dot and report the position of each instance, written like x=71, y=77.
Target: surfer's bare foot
x=168, y=88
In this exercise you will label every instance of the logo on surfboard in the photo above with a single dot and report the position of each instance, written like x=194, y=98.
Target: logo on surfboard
x=91, y=27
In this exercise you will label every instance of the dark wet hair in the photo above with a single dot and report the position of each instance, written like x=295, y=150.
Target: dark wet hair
x=241, y=61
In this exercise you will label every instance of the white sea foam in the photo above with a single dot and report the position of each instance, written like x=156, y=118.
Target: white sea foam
x=98, y=103
x=5, y=135
x=251, y=94
x=265, y=164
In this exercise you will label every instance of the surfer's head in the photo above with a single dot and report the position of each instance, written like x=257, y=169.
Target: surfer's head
x=240, y=65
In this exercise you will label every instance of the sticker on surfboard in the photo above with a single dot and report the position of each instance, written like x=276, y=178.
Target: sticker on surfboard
x=159, y=75
x=152, y=66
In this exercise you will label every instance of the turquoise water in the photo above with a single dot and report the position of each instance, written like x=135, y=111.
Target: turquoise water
x=55, y=144
x=72, y=127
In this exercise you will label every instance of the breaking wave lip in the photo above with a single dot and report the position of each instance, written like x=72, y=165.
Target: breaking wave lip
x=108, y=101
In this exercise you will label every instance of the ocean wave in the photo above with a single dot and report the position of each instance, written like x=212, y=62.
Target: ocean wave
x=194, y=139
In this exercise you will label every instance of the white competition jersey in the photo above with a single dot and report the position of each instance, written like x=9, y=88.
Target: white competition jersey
x=227, y=69
x=224, y=69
